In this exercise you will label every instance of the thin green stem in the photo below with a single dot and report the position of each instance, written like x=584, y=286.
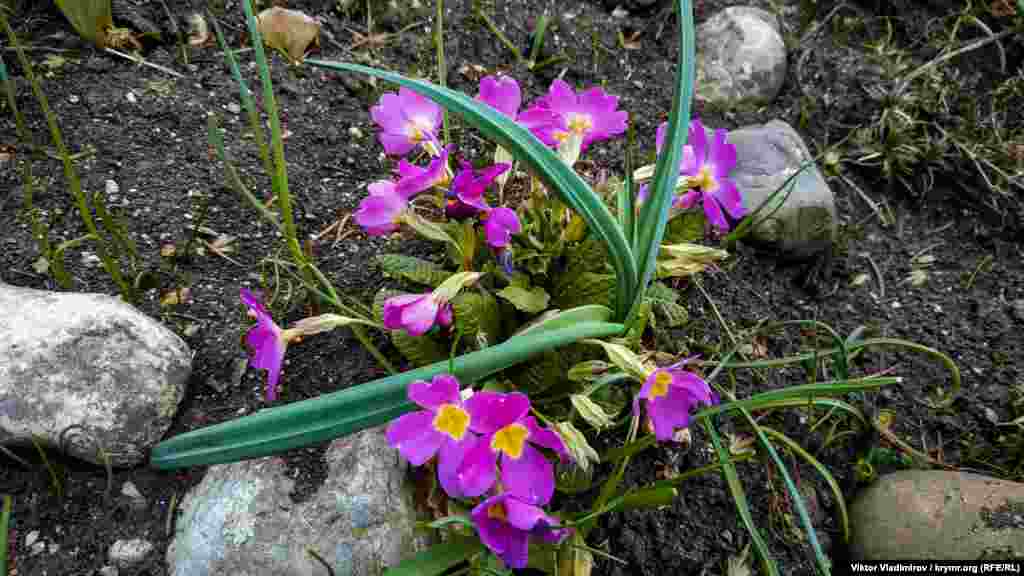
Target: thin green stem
x=5, y=520
x=442, y=68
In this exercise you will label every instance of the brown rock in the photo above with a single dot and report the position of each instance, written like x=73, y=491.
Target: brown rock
x=938, y=515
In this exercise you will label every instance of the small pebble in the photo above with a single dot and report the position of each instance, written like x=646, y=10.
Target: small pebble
x=1018, y=309
x=130, y=97
x=234, y=108
x=73, y=99
x=127, y=553
x=355, y=132
x=991, y=415
x=31, y=537
x=108, y=571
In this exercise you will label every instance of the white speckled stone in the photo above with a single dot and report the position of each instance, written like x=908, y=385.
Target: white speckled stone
x=89, y=364
x=741, y=57
x=128, y=553
x=241, y=520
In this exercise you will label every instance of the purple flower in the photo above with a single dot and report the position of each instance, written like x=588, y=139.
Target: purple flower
x=592, y=115
x=506, y=524
x=266, y=340
x=501, y=93
x=709, y=167
x=670, y=393
x=442, y=428
x=416, y=313
x=381, y=212
x=504, y=258
x=499, y=226
x=413, y=179
x=510, y=434
x=406, y=120
x=466, y=197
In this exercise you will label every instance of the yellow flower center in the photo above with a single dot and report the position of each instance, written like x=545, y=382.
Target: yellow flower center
x=418, y=128
x=705, y=180
x=580, y=123
x=497, y=512
x=451, y=420
x=661, y=383
x=510, y=440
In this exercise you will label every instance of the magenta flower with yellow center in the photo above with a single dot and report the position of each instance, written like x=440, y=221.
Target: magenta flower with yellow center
x=381, y=212
x=499, y=226
x=441, y=428
x=669, y=394
x=707, y=166
x=467, y=195
x=506, y=524
x=407, y=120
x=511, y=435
x=591, y=116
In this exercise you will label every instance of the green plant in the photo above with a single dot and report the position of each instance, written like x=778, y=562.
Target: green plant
x=5, y=519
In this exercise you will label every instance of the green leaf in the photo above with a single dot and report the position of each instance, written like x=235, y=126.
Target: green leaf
x=588, y=288
x=533, y=301
x=554, y=319
x=412, y=268
x=477, y=312
x=274, y=430
x=665, y=302
x=438, y=559
x=687, y=227
x=430, y=230
x=654, y=213
x=89, y=17
x=526, y=148
x=624, y=358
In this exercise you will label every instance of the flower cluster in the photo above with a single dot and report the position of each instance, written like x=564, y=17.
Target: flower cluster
x=409, y=123
x=472, y=439
x=706, y=168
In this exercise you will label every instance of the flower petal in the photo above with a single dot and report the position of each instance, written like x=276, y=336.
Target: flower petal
x=502, y=93
x=442, y=389
x=713, y=212
x=723, y=155
x=500, y=225
x=530, y=478
x=545, y=437
x=478, y=470
x=729, y=197
x=699, y=140
x=523, y=515
x=414, y=436
x=560, y=98
x=393, y=308
x=506, y=541
x=492, y=411
x=419, y=317
x=449, y=460
x=659, y=139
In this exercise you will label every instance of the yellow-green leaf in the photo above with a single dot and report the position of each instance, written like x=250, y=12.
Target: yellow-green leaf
x=533, y=300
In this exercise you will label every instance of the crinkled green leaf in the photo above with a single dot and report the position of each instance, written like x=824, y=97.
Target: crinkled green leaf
x=533, y=300
x=665, y=303
x=587, y=288
x=591, y=412
x=477, y=312
x=89, y=17
x=429, y=230
x=438, y=559
x=412, y=268
x=588, y=371
x=624, y=358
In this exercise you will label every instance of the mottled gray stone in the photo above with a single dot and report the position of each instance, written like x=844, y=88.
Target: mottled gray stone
x=741, y=57
x=128, y=553
x=766, y=155
x=938, y=515
x=91, y=365
x=241, y=520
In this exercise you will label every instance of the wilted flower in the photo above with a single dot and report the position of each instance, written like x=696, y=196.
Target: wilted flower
x=505, y=525
x=708, y=168
x=266, y=340
x=442, y=428
x=416, y=313
x=413, y=179
x=510, y=434
x=670, y=393
x=381, y=212
x=466, y=197
x=407, y=120
x=589, y=117
x=499, y=226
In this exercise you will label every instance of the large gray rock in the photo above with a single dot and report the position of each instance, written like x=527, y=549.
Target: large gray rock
x=766, y=155
x=90, y=365
x=741, y=57
x=241, y=520
x=938, y=515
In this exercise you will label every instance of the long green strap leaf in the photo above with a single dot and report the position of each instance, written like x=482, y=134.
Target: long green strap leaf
x=274, y=430
x=654, y=212
x=527, y=149
x=5, y=517
x=438, y=559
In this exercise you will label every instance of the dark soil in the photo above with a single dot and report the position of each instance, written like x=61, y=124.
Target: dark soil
x=146, y=130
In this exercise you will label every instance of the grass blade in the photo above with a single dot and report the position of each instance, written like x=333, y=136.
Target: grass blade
x=5, y=519
x=837, y=492
x=348, y=411
x=739, y=496
x=532, y=152
x=654, y=212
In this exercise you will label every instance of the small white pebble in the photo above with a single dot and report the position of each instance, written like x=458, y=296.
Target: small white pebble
x=131, y=97
x=355, y=132
x=233, y=107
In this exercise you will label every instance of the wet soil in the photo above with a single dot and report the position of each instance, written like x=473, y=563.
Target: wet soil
x=146, y=130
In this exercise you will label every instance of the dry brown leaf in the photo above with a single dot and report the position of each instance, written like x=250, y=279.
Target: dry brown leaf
x=174, y=297
x=1002, y=8
x=198, y=31
x=289, y=31
x=168, y=250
